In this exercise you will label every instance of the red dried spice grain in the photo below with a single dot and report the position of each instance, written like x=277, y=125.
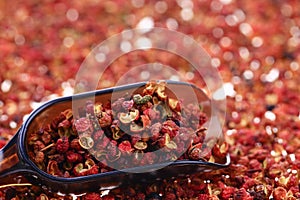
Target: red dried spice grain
x=83, y=124
x=73, y=157
x=106, y=119
x=169, y=127
x=203, y=196
x=125, y=146
x=92, y=196
x=228, y=192
x=255, y=165
x=127, y=105
x=62, y=145
x=90, y=108
x=98, y=135
x=220, y=150
x=195, y=152
x=155, y=131
x=38, y=145
x=82, y=170
x=242, y=194
x=46, y=137
x=279, y=193
x=74, y=144
x=39, y=158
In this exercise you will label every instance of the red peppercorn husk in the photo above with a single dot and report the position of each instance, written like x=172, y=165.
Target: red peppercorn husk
x=62, y=145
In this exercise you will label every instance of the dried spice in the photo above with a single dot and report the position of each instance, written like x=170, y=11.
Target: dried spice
x=250, y=43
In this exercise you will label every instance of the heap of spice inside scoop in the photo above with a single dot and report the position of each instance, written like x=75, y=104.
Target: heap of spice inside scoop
x=105, y=135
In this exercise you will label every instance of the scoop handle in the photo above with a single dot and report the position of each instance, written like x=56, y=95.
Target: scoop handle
x=9, y=155
x=12, y=168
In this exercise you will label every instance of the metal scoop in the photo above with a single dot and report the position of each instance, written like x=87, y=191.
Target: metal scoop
x=15, y=163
